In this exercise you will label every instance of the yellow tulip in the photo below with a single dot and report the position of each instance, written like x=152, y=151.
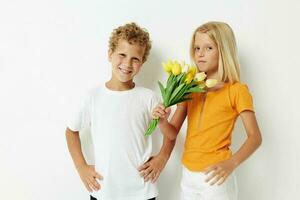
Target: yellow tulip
x=189, y=77
x=167, y=67
x=211, y=83
x=192, y=70
x=200, y=76
x=185, y=68
x=176, y=68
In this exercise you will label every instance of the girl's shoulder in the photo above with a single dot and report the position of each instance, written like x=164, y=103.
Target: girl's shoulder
x=240, y=97
x=239, y=93
x=238, y=87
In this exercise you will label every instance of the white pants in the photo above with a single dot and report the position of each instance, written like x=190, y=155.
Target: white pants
x=194, y=187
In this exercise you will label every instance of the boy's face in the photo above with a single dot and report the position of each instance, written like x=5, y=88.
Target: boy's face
x=126, y=60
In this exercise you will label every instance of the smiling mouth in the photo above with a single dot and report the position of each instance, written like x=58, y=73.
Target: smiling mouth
x=125, y=71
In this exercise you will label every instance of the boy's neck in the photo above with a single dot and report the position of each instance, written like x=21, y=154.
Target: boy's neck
x=119, y=86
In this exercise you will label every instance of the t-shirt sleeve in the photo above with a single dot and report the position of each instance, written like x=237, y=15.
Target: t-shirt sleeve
x=155, y=100
x=242, y=98
x=81, y=116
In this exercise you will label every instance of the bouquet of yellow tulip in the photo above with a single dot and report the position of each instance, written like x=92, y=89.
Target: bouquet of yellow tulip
x=183, y=80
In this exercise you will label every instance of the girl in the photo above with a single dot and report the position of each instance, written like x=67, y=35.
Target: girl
x=207, y=160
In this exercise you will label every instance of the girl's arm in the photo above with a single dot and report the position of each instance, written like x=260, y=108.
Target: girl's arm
x=253, y=140
x=153, y=167
x=172, y=128
x=219, y=172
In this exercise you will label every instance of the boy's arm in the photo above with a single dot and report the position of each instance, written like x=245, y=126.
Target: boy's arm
x=86, y=172
x=74, y=146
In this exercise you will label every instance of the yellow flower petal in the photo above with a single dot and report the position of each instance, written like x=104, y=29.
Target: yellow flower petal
x=167, y=67
x=211, y=83
x=185, y=68
x=192, y=70
x=189, y=77
x=200, y=76
x=176, y=68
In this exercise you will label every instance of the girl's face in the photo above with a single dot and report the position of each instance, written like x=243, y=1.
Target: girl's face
x=206, y=55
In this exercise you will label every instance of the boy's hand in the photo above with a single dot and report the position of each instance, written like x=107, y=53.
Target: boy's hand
x=219, y=172
x=152, y=168
x=89, y=177
x=160, y=111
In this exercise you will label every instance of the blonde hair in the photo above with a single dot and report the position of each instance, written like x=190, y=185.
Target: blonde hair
x=133, y=34
x=222, y=35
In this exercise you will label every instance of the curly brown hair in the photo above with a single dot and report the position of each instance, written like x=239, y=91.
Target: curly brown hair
x=132, y=33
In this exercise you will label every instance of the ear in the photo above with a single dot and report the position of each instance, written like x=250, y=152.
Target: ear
x=109, y=53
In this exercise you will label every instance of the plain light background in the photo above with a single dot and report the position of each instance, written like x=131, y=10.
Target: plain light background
x=52, y=52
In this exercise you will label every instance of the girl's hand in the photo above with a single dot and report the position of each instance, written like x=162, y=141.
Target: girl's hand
x=160, y=111
x=152, y=168
x=219, y=172
x=88, y=176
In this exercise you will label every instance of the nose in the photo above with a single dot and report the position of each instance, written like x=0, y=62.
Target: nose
x=127, y=62
x=200, y=53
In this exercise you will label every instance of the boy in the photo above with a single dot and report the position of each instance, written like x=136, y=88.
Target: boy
x=118, y=114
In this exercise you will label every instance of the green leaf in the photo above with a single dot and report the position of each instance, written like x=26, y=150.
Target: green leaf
x=180, y=77
x=176, y=91
x=169, y=91
x=170, y=80
x=195, y=89
x=162, y=90
x=181, y=100
x=151, y=127
x=186, y=95
x=180, y=94
x=183, y=78
x=193, y=84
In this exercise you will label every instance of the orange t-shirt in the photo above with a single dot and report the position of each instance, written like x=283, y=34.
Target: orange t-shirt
x=211, y=117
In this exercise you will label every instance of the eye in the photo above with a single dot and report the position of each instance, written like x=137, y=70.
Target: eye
x=197, y=48
x=136, y=60
x=122, y=55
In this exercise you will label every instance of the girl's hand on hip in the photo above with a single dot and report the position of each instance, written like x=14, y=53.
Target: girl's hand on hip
x=218, y=173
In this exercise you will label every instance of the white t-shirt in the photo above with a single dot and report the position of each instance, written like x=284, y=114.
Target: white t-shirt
x=118, y=120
